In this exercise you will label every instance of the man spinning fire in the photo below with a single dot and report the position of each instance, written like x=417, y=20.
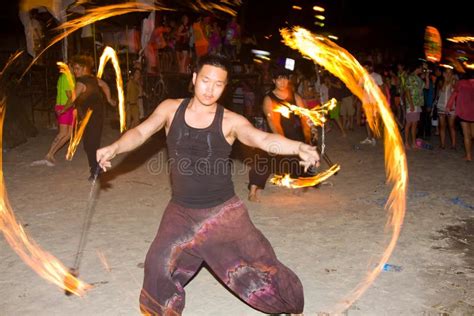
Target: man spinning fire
x=205, y=221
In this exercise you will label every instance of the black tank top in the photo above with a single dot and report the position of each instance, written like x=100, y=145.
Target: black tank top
x=92, y=98
x=199, y=162
x=291, y=126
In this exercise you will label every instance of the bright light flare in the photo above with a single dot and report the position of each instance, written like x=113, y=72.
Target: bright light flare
x=296, y=7
x=77, y=133
x=461, y=39
x=109, y=53
x=342, y=64
x=320, y=17
x=433, y=44
x=318, y=9
x=468, y=66
x=446, y=66
x=288, y=182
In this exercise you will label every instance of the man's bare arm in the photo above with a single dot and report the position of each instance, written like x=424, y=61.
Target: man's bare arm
x=272, y=143
x=272, y=117
x=105, y=88
x=136, y=136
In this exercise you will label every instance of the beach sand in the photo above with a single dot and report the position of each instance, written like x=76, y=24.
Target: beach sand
x=329, y=236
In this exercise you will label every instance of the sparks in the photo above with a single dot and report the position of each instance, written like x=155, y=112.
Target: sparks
x=343, y=65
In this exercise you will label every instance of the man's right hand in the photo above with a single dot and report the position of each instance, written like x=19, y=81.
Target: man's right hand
x=105, y=154
x=309, y=156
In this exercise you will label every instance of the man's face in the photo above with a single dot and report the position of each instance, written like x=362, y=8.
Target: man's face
x=209, y=84
x=77, y=70
x=281, y=82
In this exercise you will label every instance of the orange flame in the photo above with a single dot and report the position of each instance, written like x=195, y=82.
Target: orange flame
x=283, y=110
x=77, y=134
x=225, y=6
x=316, y=114
x=42, y=262
x=291, y=183
x=342, y=64
x=109, y=53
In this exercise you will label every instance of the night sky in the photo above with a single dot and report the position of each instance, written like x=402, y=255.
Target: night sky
x=360, y=25
x=366, y=24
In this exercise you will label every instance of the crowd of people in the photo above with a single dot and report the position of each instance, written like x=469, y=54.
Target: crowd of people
x=176, y=42
x=427, y=101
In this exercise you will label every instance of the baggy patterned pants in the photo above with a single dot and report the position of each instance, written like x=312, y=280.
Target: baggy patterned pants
x=227, y=241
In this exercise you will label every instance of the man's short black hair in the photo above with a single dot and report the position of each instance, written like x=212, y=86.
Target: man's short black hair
x=216, y=60
x=280, y=72
x=83, y=60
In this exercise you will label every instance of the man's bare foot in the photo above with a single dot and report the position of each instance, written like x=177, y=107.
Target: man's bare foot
x=253, y=198
x=50, y=159
x=253, y=194
x=467, y=158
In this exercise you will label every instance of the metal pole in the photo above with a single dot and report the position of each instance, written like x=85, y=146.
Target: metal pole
x=126, y=51
x=93, y=43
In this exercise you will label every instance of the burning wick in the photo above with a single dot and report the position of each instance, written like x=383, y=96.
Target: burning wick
x=70, y=281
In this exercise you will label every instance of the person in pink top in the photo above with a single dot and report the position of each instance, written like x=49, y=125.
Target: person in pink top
x=463, y=98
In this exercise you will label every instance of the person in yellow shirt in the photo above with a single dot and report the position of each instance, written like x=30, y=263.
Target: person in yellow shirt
x=65, y=116
x=134, y=94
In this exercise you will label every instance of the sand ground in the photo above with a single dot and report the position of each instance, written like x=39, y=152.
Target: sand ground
x=329, y=236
